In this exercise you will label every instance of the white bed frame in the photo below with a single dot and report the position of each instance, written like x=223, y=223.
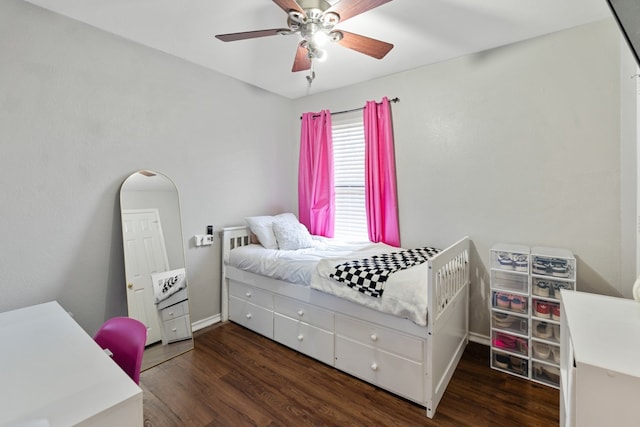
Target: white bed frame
x=412, y=361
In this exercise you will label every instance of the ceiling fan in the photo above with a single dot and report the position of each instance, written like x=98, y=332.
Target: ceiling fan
x=315, y=21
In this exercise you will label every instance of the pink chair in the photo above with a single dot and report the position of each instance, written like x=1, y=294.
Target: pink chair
x=125, y=338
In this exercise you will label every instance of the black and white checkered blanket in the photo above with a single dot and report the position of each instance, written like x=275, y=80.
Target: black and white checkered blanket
x=370, y=275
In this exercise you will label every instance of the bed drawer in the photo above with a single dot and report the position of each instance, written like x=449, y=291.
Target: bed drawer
x=391, y=372
x=304, y=312
x=177, y=329
x=251, y=316
x=382, y=338
x=305, y=338
x=175, y=311
x=251, y=294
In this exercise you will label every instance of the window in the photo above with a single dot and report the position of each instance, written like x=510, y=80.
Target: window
x=348, y=157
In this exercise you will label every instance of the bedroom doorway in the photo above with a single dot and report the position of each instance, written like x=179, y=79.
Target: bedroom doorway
x=145, y=253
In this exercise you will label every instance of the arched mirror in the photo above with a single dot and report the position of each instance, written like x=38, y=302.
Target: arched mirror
x=156, y=279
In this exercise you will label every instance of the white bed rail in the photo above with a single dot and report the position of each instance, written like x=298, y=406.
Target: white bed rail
x=450, y=273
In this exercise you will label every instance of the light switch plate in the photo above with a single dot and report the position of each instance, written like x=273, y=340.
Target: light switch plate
x=203, y=239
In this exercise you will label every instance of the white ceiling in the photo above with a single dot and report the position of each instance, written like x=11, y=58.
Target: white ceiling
x=423, y=32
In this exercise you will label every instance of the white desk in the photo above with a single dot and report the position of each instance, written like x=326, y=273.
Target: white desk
x=53, y=373
x=600, y=361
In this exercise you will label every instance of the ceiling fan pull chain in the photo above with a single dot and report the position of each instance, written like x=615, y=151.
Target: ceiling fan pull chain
x=312, y=74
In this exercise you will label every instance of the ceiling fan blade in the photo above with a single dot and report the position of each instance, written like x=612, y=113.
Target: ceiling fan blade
x=302, y=61
x=372, y=47
x=250, y=34
x=350, y=8
x=288, y=5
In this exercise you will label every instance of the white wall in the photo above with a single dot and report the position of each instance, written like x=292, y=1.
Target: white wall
x=630, y=222
x=80, y=110
x=518, y=144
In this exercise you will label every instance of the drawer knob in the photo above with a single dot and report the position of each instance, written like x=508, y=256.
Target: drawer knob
x=374, y=366
x=300, y=337
x=248, y=316
x=374, y=337
x=300, y=312
x=171, y=313
x=248, y=294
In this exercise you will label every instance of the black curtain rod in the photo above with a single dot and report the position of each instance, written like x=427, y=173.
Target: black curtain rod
x=394, y=100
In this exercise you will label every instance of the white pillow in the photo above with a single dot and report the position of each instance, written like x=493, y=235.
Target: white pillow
x=287, y=217
x=262, y=227
x=290, y=234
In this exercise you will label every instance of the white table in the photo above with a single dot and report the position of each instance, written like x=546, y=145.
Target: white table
x=52, y=373
x=600, y=361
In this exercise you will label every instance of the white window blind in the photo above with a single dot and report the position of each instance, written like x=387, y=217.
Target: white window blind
x=348, y=157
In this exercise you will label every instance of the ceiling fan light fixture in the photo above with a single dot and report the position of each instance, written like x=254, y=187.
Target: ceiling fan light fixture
x=319, y=55
x=335, y=36
x=293, y=25
x=330, y=19
x=320, y=38
x=296, y=17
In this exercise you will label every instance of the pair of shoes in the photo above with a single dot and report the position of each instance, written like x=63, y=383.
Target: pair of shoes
x=542, y=309
x=511, y=343
x=541, y=288
x=521, y=262
x=518, y=262
x=518, y=365
x=509, y=301
x=502, y=320
x=555, y=311
x=549, y=289
x=546, y=373
x=503, y=300
x=557, y=267
x=541, y=265
x=541, y=350
x=505, y=341
x=502, y=361
x=543, y=330
x=558, y=286
x=552, y=373
x=505, y=260
x=518, y=303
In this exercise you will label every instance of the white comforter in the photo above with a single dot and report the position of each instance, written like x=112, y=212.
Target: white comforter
x=405, y=292
x=290, y=266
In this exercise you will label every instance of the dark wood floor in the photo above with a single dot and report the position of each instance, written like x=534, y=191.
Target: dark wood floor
x=235, y=377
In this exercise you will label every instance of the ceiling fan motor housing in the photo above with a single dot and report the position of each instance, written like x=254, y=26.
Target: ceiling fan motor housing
x=320, y=5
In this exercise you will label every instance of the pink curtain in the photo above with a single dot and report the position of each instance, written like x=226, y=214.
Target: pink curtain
x=380, y=174
x=316, y=194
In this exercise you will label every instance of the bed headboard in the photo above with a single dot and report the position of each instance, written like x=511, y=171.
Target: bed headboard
x=234, y=237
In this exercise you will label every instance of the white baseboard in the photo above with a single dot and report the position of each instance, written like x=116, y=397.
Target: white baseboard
x=200, y=324
x=480, y=339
